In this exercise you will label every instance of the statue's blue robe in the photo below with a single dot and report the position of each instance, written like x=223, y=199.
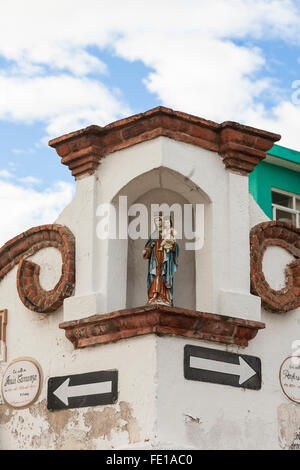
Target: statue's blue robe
x=169, y=268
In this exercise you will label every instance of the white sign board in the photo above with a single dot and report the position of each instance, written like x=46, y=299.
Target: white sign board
x=289, y=377
x=21, y=383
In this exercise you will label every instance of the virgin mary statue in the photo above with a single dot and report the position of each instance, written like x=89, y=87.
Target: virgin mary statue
x=162, y=252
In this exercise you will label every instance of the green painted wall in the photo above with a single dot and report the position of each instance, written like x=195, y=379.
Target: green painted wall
x=267, y=176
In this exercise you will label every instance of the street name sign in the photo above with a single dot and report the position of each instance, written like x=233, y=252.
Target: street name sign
x=222, y=367
x=289, y=376
x=81, y=390
x=21, y=382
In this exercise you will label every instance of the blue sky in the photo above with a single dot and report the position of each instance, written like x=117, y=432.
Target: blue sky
x=22, y=149
x=67, y=64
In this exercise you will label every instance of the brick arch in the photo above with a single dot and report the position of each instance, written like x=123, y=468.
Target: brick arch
x=286, y=236
x=26, y=244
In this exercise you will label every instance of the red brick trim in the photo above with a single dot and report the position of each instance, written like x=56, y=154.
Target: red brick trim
x=241, y=147
x=161, y=320
x=26, y=244
x=285, y=236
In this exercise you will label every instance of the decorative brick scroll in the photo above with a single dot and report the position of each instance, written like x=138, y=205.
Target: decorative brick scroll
x=19, y=248
x=241, y=147
x=3, y=323
x=285, y=236
x=161, y=320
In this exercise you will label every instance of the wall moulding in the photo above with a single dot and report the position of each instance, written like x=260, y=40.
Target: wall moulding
x=15, y=251
x=160, y=320
x=285, y=236
x=241, y=147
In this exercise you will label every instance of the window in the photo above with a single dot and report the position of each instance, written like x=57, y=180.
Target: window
x=286, y=207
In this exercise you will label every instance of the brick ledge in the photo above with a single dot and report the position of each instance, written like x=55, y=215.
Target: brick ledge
x=160, y=320
x=241, y=147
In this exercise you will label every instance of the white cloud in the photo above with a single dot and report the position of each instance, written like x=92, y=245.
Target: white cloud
x=197, y=66
x=193, y=48
x=31, y=180
x=23, y=151
x=65, y=103
x=5, y=174
x=23, y=208
x=284, y=121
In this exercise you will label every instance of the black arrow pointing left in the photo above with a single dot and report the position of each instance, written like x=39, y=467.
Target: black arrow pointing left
x=81, y=390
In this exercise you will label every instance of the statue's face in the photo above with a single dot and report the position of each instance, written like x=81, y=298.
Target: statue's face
x=167, y=224
x=158, y=222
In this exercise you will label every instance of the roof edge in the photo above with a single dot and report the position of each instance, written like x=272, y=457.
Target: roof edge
x=240, y=146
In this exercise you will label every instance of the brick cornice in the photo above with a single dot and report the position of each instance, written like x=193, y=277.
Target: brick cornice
x=161, y=320
x=241, y=147
x=16, y=251
x=285, y=236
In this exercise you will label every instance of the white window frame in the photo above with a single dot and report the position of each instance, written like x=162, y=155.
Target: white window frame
x=293, y=210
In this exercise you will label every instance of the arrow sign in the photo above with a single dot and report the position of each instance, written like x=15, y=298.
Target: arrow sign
x=242, y=370
x=80, y=390
x=222, y=367
x=64, y=391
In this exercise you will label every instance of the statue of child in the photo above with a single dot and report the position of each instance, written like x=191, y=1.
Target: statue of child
x=168, y=236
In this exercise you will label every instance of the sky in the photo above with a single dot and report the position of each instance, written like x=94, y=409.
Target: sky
x=68, y=64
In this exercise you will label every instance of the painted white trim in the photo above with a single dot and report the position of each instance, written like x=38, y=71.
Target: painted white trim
x=289, y=210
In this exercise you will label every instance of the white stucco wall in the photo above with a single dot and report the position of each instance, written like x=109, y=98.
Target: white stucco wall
x=157, y=407
x=34, y=335
x=212, y=416
x=222, y=277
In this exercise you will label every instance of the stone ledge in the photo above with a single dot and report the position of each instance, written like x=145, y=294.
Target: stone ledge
x=160, y=320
